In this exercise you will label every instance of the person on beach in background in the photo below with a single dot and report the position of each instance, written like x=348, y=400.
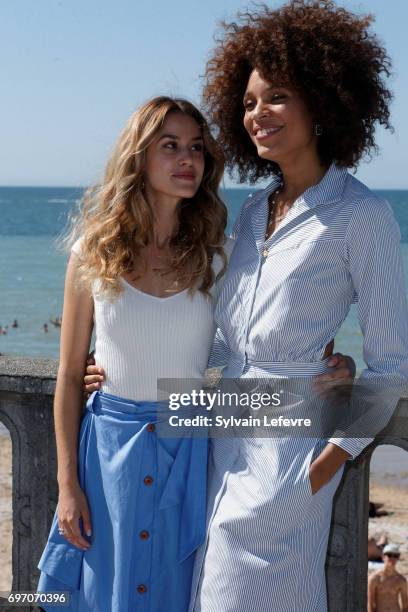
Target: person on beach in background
x=374, y=510
x=387, y=588
x=376, y=545
x=144, y=271
x=295, y=94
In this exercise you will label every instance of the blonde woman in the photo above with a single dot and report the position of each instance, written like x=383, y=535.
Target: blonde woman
x=131, y=505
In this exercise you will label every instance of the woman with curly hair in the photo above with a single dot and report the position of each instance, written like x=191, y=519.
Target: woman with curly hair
x=295, y=94
x=143, y=272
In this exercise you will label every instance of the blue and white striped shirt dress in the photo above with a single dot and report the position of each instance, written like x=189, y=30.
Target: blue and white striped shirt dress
x=283, y=300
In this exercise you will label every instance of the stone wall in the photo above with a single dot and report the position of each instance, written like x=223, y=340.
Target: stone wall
x=26, y=397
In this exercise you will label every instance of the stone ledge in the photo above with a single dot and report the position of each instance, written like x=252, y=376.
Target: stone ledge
x=28, y=375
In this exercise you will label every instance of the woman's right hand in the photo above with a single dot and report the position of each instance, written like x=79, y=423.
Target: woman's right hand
x=73, y=505
x=94, y=376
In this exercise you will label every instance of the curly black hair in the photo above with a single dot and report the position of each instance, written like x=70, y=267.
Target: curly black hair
x=324, y=52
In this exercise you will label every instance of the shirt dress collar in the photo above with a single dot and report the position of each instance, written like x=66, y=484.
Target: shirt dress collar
x=328, y=190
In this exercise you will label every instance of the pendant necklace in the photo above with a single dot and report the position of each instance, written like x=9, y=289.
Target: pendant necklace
x=271, y=207
x=159, y=253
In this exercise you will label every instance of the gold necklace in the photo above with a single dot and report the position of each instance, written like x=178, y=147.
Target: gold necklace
x=271, y=218
x=157, y=254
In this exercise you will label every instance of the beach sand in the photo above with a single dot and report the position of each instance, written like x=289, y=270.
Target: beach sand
x=5, y=513
x=383, y=489
x=395, y=525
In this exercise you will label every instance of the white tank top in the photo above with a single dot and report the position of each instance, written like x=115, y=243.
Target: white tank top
x=140, y=338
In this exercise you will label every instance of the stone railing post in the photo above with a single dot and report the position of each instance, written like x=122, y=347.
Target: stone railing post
x=26, y=396
x=347, y=562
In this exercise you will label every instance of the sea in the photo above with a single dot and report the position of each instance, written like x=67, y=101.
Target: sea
x=32, y=265
x=32, y=270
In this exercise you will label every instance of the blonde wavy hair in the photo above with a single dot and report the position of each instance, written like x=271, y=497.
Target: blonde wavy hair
x=115, y=221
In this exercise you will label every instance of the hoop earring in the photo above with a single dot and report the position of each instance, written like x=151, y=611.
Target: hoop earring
x=318, y=130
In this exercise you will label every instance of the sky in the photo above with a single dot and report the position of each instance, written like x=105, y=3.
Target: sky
x=72, y=71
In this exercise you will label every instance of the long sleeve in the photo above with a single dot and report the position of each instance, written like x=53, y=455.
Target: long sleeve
x=236, y=229
x=220, y=351
x=375, y=265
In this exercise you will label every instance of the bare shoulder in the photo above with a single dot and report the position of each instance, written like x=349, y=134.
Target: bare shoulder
x=77, y=247
x=375, y=577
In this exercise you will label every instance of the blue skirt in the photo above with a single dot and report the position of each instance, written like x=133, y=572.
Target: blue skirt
x=147, y=501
